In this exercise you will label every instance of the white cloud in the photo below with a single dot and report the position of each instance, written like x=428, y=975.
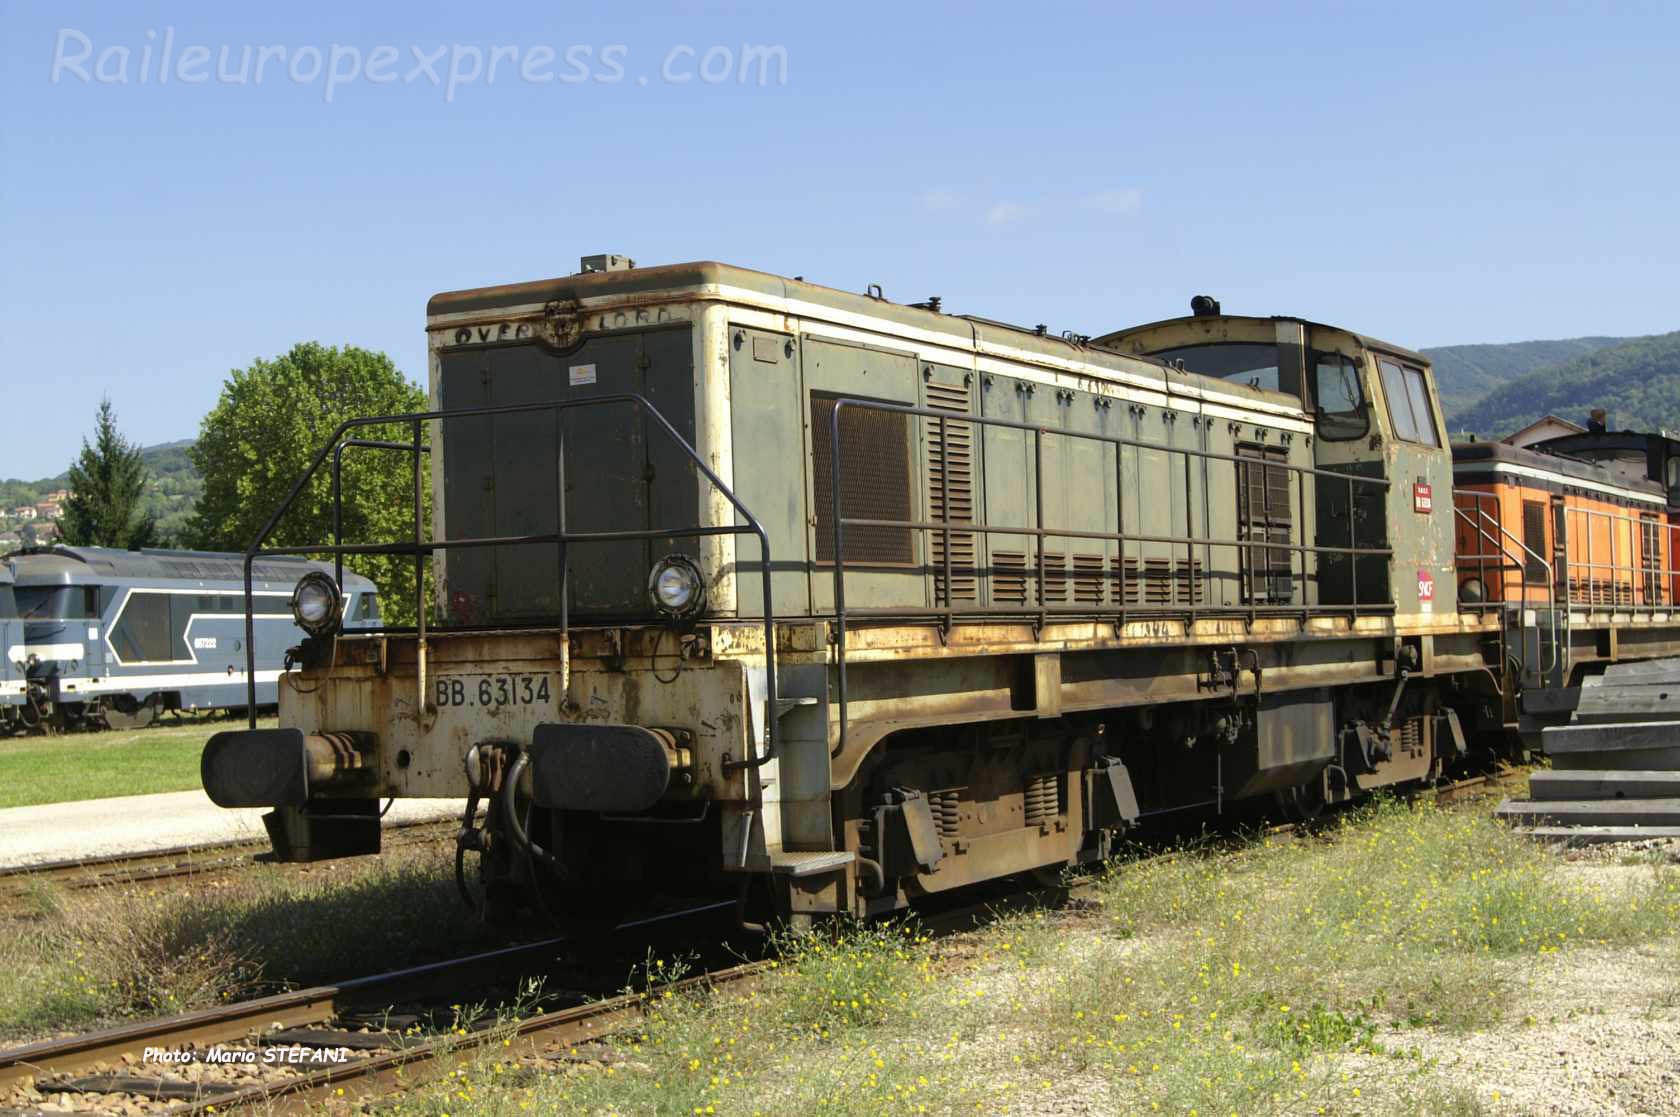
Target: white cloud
x=1116, y=201
x=1007, y=213
x=941, y=198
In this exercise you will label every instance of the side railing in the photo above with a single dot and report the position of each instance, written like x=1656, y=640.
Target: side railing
x=1482, y=520
x=421, y=548
x=947, y=526
x=1616, y=562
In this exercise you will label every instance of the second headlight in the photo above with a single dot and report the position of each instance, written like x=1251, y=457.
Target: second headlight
x=316, y=603
x=675, y=587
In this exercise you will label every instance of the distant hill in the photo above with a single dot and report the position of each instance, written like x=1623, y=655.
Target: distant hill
x=170, y=495
x=1636, y=380
x=1466, y=373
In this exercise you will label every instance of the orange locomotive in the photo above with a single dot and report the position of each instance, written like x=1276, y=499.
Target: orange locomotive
x=1549, y=531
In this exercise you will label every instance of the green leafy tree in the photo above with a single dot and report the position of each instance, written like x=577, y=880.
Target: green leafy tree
x=107, y=484
x=269, y=423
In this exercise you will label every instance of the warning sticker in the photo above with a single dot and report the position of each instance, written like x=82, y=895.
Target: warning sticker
x=1426, y=590
x=581, y=374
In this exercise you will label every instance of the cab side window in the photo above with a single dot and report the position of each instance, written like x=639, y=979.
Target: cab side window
x=1408, y=403
x=1338, y=401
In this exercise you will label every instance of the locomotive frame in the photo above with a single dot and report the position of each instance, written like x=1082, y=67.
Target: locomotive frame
x=915, y=692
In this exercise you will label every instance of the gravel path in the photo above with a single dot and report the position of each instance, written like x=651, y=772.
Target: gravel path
x=137, y=823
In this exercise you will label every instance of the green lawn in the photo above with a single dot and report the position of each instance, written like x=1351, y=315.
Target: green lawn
x=75, y=766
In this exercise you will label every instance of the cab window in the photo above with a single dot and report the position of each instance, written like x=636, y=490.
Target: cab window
x=1338, y=400
x=57, y=603
x=1244, y=362
x=1408, y=403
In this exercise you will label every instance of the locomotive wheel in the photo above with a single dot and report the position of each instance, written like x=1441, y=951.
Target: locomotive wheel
x=1303, y=802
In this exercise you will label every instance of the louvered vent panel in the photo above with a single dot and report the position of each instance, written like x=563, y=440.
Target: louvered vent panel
x=1188, y=580
x=1088, y=579
x=1158, y=581
x=1163, y=582
x=1055, y=578
x=874, y=482
x=951, y=471
x=1129, y=582
x=1009, y=578
x=1265, y=515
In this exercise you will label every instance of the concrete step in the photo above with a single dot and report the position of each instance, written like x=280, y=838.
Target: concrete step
x=1591, y=812
x=1648, y=746
x=1597, y=835
x=1598, y=783
x=1646, y=690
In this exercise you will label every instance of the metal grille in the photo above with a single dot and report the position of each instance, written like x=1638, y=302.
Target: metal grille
x=874, y=480
x=1264, y=515
x=1650, y=560
x=1534, y=538
x=1088, y=579
x=1009, y=577
x=1160, y=581
x=957, y=451
x=1055, y=578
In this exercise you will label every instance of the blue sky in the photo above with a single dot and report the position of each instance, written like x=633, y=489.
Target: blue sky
x=1433, y=174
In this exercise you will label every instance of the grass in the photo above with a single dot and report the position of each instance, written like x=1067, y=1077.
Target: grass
x=1280, y=977
x=102, y=956
x=75, y=766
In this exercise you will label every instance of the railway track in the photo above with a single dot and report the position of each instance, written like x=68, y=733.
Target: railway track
x=353, y=1039
x=365, y=1038
x=20, y=884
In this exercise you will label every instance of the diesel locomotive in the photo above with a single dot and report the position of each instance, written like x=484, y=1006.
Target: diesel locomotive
x=113, y=638
x=12, y=683
x=746, y=583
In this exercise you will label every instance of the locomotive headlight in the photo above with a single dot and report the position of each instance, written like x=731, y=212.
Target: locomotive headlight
x=315, y=603
x=675, y=587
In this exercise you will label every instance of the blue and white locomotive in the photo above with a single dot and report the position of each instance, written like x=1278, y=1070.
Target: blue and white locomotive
x=116, y=637
x=12, y=685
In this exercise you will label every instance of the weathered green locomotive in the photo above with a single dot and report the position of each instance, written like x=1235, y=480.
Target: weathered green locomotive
x=746, y=581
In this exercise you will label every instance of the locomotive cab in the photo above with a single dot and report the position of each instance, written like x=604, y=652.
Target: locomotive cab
x=1375, y=414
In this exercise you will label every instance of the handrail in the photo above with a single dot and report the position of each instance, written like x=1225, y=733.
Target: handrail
x=1522, y=605
x=561, y=538
x=1038, y=531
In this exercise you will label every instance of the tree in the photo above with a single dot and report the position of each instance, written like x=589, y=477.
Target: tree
x=107, y=483
x=269, y=423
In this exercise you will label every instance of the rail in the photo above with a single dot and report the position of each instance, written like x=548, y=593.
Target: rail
x=947, y=526
x=421, y=548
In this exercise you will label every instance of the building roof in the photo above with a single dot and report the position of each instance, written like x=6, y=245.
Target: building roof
x=1573, y=428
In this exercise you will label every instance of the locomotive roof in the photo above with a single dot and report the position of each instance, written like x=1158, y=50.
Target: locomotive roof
x=711, y=279
x=1365, y=340
x=89, y=564
x=707, y=279
x=1503, y=453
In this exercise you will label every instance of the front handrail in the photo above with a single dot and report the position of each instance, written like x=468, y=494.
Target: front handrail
x=947, y=526
x=421, y=549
